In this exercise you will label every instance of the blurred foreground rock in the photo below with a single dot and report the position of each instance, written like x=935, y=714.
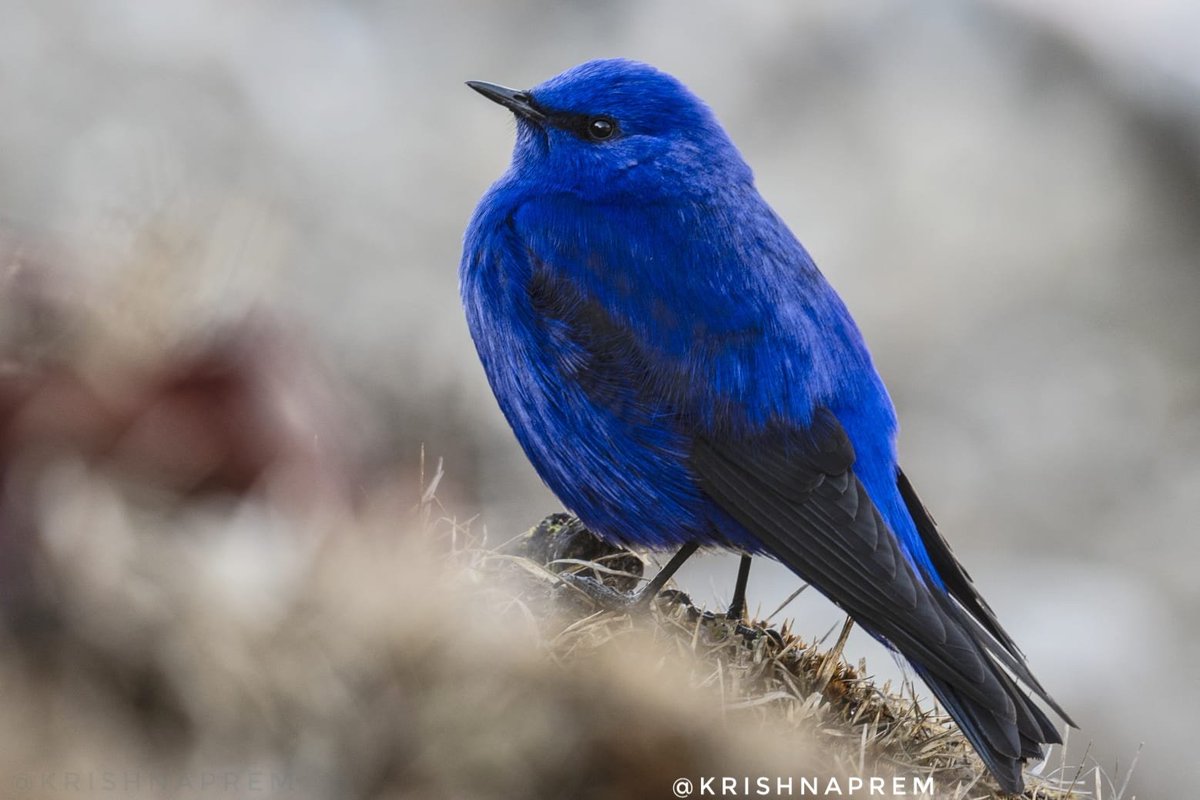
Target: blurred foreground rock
x=345, y=661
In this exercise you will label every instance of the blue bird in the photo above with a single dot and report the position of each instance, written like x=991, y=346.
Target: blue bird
x=681, y=374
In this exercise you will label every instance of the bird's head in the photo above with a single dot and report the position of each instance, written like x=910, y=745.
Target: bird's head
x=611, y=127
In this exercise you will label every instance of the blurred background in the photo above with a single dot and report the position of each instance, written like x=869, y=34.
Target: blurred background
x=1006, y=193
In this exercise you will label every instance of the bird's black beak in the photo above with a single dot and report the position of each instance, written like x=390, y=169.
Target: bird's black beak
x=520, y=103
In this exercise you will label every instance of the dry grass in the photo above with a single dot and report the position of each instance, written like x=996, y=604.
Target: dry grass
x=766, y=675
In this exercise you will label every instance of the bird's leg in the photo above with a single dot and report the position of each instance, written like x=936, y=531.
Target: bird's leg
x=648, y=592
x=737, y=607
x=612, y=600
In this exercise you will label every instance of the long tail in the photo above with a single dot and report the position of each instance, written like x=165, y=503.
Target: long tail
x=1003, y=738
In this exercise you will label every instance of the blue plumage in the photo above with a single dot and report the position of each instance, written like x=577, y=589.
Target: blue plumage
x=678, y=371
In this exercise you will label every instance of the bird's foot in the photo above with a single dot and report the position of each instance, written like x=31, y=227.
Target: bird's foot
x=608, y=598
x=737, y=610
x=748, y=630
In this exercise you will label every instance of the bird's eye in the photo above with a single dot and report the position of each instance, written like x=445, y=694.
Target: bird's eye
x=600, y=128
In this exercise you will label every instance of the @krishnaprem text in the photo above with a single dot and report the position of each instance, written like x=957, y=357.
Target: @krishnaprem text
x=801, y=786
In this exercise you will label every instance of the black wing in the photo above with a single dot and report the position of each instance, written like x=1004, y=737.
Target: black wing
x=795, y=490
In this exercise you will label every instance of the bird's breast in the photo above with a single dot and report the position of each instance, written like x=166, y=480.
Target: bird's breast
x=609, y=451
